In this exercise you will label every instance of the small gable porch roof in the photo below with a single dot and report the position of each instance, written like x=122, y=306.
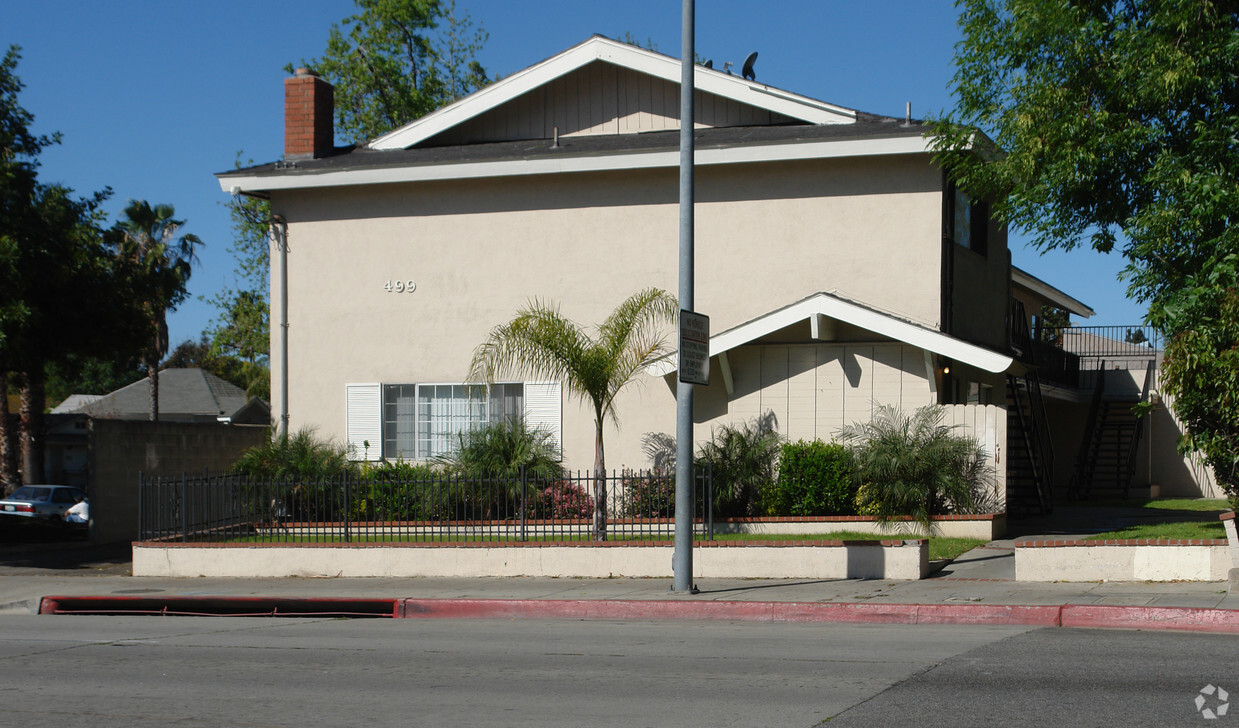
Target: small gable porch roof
x=820, y=309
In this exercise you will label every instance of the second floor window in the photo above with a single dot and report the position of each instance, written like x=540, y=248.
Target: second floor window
x=969, y=222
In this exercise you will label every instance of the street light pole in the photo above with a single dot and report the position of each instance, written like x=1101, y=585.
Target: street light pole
x=682, y=561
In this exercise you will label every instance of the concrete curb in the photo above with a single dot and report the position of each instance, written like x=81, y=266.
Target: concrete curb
x=1065, y=615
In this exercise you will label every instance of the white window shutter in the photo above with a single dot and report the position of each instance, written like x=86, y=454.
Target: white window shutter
x=363, y=420
x=544, y=409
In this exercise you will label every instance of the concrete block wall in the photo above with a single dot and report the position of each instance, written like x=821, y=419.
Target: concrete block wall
x=121, y=450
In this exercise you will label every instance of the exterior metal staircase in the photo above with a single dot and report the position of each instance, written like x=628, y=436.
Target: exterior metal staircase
x=1106, y=461
x=1030, y=451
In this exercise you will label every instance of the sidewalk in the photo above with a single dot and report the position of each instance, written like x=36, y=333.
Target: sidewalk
x=978, y=587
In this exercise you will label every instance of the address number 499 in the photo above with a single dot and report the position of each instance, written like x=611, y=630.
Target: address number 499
x=400, y=286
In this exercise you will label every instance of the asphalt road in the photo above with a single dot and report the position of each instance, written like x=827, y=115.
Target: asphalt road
x=146, y=672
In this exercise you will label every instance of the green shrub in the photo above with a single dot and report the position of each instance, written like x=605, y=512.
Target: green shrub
x=815, y=479
x=913, y=465
x=743, y=459
x=301, y=456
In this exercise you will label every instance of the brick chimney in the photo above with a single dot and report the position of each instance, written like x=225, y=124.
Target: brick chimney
x=309, y=103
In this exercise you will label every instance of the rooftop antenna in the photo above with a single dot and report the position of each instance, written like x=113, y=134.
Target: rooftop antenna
x=727, y=67
x=748, y=72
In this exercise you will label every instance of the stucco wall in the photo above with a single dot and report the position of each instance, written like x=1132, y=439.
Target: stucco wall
x=767, y=235
x=120, y=451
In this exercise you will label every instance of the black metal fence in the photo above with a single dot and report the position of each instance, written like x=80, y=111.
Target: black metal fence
x=1064, y=355
x=210, y=507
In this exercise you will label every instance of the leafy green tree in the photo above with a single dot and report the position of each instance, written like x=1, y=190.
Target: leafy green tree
x=253, y=378
x=241, y=334
x=164, y=259
x=389, y=67
x=53, y=257
x=1116, y=121
x=541, y=342
x=1201, y=368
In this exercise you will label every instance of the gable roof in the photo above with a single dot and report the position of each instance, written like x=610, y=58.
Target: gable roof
x=601, y=49
x=184, y=395
x=849, y=312
x=1035, y=285
x=455, y=142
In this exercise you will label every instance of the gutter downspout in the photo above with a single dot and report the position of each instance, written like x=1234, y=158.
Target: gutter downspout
x=279, y=236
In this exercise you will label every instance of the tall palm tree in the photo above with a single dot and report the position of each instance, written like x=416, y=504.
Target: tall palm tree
x=542, y=343
x=163, y=263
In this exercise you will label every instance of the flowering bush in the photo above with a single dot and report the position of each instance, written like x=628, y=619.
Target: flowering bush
x=566, y=499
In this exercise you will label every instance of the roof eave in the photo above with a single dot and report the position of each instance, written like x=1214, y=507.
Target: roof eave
x=234, y=183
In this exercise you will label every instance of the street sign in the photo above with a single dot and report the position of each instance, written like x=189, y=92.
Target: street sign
x=694, y=348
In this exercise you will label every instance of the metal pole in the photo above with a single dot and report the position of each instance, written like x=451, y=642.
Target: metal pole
x=682, y=561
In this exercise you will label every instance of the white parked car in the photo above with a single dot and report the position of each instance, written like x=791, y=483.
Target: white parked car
x=45, y=503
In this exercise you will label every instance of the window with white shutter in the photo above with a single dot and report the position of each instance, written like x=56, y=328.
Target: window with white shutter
x=544, y=409
x=363, y=420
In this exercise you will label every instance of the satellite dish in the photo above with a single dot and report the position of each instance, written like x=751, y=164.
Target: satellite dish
x=747, y=72
x=709, y=63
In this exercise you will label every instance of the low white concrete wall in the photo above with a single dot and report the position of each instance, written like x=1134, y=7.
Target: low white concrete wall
x=877, y=560
x=987, y=527
x=1105, y=562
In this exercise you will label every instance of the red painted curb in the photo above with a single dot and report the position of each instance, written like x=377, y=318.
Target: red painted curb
x=1069, y=615
x=850, y=612
x=1191, y=619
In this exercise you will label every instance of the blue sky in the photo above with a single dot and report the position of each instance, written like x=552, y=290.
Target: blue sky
x=154, y=97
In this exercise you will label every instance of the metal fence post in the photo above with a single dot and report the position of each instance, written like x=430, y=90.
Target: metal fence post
x=710, y=497
x=523, y=484
x=348, y=479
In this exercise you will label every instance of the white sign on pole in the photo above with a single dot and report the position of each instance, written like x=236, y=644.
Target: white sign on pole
x=694, y=348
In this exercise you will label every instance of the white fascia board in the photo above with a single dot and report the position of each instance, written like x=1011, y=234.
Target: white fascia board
x=625, y=55
x=869, y=320
x=595, y=163
x=859, y=316
x=1050, y=293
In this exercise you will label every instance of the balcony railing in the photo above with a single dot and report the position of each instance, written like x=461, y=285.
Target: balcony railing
x=1062, y=353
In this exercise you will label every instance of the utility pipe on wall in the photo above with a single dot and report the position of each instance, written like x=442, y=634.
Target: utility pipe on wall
x=279, y=237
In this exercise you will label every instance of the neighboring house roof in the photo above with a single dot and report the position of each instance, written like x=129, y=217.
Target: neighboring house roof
x=74, y=403
x=184, y=395
x=820, y=312
x=1039, y=287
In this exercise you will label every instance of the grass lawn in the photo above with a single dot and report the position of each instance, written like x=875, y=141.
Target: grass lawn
x=1184, y=530
x=1164, y=504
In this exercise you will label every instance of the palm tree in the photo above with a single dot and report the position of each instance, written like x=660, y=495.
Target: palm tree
x=162, y=261
x=542, y=343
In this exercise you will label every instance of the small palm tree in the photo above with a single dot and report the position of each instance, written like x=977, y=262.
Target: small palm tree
x=542, y=343
x=743, y=458
x=163, y=260
x=914, y=465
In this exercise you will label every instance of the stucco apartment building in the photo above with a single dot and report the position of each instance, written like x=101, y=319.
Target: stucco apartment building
x=840, y=267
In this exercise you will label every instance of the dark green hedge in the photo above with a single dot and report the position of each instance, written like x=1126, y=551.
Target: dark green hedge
x=815, y=479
